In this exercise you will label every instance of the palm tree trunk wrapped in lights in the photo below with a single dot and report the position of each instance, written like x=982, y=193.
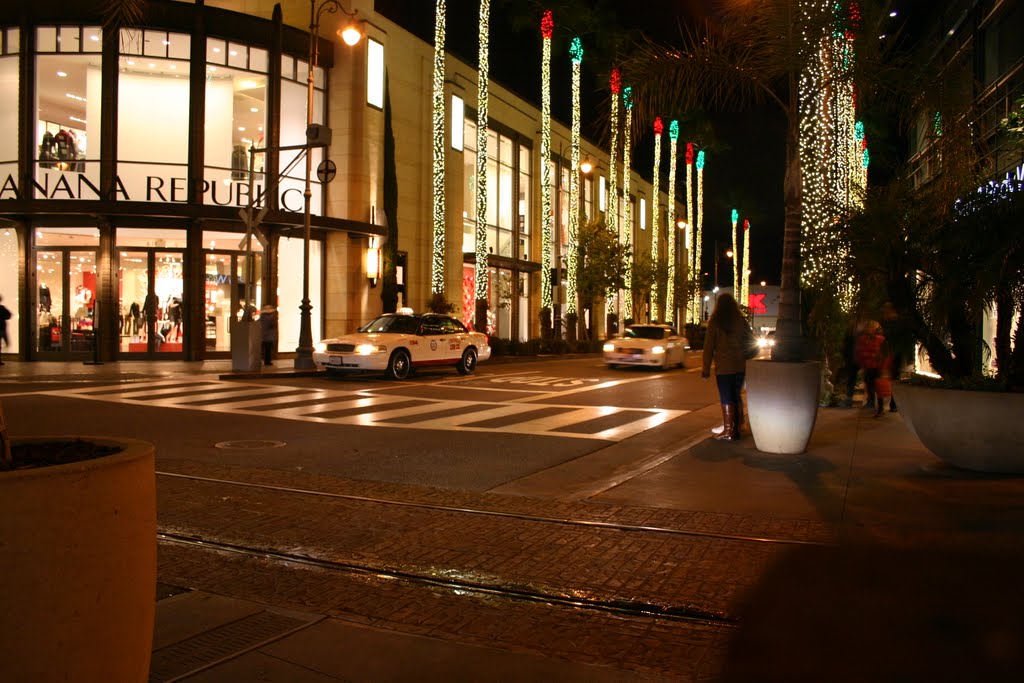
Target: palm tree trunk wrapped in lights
x=698, y=234
x=437, y=275
x=482, y=273
x=691, y=301
x=612, y=219
x=655, y=213
x=745, y=272
x=735, y=257
x=576, y=53
x=670, y=227
x=547, y=26
x=627, y=215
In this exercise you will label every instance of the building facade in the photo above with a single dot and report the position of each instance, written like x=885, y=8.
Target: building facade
x=152, y=185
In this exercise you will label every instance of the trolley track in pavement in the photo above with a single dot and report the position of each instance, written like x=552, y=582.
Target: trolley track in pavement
x=630, y=608
x=619, y=526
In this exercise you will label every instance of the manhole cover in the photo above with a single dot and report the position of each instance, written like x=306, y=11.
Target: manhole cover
x=249, y=444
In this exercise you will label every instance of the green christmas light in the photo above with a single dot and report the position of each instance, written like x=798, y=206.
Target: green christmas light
x=576, y=52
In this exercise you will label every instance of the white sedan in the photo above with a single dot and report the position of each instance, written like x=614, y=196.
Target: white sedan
x=646, y=345
x=395, y=343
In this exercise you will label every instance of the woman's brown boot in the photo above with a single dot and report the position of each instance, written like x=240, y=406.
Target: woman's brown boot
x=728, y=419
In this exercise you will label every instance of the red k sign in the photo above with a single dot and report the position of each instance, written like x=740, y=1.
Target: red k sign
x=755, y=302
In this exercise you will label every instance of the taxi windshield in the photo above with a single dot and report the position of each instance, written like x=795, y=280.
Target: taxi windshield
x=393, y=324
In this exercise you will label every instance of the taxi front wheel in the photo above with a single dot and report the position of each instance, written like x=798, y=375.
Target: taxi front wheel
x=399, y=365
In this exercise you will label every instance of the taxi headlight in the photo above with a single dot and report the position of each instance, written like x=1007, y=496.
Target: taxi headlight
x=609, y=347
x=320, y=347
x=657, y=349
x=368, y=349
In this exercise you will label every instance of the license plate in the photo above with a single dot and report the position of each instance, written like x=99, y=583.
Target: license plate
x=334, y=360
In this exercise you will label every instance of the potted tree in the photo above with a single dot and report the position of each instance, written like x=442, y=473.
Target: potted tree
x=755, y=53
x=948, y=252
x=78, y=539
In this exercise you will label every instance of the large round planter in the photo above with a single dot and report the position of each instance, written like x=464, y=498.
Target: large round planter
x=973, y=430
x=78, y=567
x=782, y=404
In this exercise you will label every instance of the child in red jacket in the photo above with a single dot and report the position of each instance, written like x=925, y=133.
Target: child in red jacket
x=870, y=357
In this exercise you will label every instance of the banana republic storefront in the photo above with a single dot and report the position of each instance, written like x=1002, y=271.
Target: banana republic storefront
x=125, y=184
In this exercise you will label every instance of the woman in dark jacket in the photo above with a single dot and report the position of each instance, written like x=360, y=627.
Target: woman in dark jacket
x=728, y=343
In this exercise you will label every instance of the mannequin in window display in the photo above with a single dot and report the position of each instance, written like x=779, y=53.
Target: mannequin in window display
x=135, y=314
x=150, y=310
x=47, y=151
x=45, y=300
x=174, y=314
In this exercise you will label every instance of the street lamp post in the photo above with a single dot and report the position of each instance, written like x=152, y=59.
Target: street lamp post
x=350, y=35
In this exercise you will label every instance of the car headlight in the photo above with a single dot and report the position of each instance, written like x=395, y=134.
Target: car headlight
x=368, y=349
x=609, y=347
x=657, y=349
x=762, y=342
x=320, y=347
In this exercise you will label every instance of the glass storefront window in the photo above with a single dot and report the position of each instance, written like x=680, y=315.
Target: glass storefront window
x=469, y=191
x=9, y=286
x=65, y=262
x=294, y=93
x=289, y=290
x=523, y=205
x=68, y=109
x=236, y=117
x=9, y=39
x=152, y=116
x=225, y=267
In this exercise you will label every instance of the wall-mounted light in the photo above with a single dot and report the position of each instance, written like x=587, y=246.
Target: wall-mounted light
x=586, y=166
x=373, y=261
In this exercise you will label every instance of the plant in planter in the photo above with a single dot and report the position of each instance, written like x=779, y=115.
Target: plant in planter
x=755, y=53
x=78, y=533
x=946, y=253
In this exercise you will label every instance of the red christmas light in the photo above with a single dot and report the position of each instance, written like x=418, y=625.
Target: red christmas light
x=855, y=14
x=746, y=224
x=658, y=127
x=616, y=82
x=689, y=153
x=547, y=24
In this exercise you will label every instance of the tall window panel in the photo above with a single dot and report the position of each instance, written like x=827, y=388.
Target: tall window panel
x=67, y=111
x=152, y=115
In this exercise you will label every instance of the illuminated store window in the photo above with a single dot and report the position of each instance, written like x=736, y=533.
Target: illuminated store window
x=294, y=92
x=68, y=108
x=524, y=203
x=643, y=213
x=235, y=121
x=9, y=272
x=65, y=298
x=469, y=191
x=458, y=118
x=152, y=116
x=374, y=73
x=226, y=269
x=9, y=39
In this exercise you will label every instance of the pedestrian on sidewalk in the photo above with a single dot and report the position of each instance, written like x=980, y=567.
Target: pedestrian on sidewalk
x=850, y=367
x=900, y=342
x=268, y=332
x=870, y=357
x=728, y=344
x=5, y=315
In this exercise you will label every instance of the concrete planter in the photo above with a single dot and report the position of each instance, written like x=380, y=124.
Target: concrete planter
x=78, y=567
x=782, y=404
x=973, y=430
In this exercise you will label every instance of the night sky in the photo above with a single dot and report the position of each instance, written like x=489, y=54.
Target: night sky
x=745, y=169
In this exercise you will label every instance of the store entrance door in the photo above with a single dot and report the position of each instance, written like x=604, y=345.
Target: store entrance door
x=65, y=304
x=226, y=275
x=150, y=287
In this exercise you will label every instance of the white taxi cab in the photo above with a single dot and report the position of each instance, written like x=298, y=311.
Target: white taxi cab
x=396, y=343
x=646, y=345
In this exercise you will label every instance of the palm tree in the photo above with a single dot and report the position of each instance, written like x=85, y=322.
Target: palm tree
x=758, y=52
x=119, y=13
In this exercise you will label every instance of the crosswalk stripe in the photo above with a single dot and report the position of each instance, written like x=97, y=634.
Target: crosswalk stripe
x=360, y=408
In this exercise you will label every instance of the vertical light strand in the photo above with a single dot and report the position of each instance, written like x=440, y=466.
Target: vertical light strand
x=547, y=26
x=576, y=53
x=482, y=273
x=670, y=227
x=691, y=308
x=612, y=216
x=735, y=257
x=437, y=260
x=627, y=215
x=655, y=202
x=745, y=280
x=698, y=234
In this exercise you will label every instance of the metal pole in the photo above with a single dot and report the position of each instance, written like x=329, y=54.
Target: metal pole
x=304, y=353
